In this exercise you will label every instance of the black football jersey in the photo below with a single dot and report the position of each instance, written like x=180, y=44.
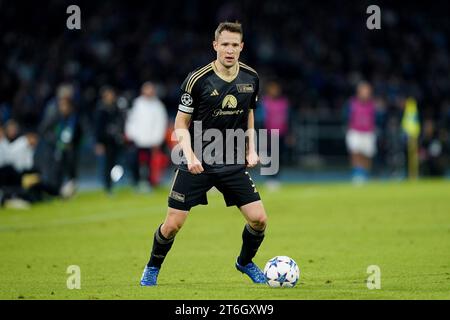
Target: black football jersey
x=221, y=104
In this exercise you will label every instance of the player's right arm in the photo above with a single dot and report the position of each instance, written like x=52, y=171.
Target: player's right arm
x=182, y=122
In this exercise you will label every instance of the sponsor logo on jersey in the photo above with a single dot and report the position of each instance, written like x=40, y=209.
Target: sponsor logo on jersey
x=229, y=102
x=220, y=112
x=214, y=93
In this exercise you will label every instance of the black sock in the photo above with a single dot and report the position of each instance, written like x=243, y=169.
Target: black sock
x=161, y=246
x=251, y=240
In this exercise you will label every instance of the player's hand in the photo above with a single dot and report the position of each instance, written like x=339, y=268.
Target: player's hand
x=252, y=159
x=195, y=166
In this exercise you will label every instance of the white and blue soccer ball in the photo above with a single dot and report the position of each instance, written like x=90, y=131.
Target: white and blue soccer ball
x=281, y=271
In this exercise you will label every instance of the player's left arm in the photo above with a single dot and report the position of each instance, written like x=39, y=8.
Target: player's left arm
x=252, y=156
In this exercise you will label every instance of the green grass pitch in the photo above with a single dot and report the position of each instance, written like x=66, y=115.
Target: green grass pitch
x=333, y=231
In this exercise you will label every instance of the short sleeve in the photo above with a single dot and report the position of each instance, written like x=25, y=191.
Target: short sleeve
x=187, y=97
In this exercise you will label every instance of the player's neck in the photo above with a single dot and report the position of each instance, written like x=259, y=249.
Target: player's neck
x=226, y=72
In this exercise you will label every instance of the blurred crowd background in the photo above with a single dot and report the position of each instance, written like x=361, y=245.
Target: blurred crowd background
x=55, y=83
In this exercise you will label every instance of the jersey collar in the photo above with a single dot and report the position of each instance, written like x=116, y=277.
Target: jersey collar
x=225, y=78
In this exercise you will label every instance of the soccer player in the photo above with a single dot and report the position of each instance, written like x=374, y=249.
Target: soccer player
x=220, y=95
x=361, y=137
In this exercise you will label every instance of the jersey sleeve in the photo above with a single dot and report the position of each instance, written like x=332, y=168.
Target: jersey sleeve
x=188, y=97
x=254, y=101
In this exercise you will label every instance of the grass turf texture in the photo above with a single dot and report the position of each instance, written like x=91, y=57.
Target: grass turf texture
x=334, y=232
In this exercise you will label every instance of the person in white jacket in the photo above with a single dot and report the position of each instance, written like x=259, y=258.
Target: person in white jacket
x=18, y=151
x=16, y=164
x=146, y=127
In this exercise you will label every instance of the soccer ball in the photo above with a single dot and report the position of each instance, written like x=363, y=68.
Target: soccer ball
x=281, y=271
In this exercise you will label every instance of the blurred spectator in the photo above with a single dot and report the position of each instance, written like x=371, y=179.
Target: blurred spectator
x=431, y=151
x=146, y=128
x=276, y=120
x=361, y=138
x=11, y=193
x=109, y=132
x=64, y=91
x=20, y=149
x=61, y=131
x=20, y=182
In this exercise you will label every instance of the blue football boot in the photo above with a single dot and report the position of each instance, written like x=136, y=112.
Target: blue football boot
x=252, y=271
x=149, y=276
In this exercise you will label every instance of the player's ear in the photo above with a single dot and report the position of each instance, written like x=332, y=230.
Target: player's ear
x=242, y=45
x=215, y=45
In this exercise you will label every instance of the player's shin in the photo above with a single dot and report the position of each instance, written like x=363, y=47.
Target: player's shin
x=251, y=240
x=161, y=246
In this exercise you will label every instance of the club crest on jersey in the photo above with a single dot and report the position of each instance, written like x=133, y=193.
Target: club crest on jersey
x=245, y=88
x=229, y=102
x=186, y=99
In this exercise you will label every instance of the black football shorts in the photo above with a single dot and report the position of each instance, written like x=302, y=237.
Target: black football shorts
x=189, y=190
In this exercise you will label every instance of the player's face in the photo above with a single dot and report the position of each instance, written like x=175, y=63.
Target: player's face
x=228, y=47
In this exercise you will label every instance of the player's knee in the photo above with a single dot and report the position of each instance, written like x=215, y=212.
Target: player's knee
x=263, y=221
x=171, y=228
x=173, y=223
x=260, y=222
